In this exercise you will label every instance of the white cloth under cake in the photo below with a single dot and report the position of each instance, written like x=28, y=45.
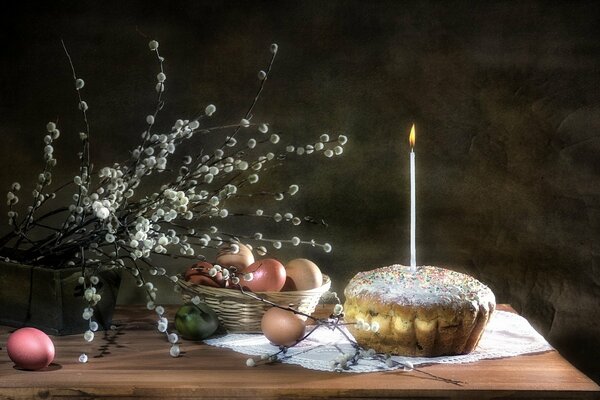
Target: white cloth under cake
x=506, y=335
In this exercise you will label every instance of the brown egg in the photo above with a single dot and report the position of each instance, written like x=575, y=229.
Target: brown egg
x=203, y=280
x=227, y=258
x=282, y=327
x=199, y=274
x=199, y=268
x=302, y=274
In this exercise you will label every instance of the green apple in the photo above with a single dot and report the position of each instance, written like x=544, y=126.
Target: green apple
x=196, y=322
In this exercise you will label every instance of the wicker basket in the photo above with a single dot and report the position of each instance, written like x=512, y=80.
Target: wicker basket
x=241, y=313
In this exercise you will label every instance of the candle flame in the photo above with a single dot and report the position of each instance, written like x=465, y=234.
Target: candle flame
x=411, y=137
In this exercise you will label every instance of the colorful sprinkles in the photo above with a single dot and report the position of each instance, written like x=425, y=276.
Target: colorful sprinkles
x=427, y=285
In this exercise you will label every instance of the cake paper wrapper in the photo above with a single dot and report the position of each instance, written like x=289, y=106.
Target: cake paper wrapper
x=506, y=335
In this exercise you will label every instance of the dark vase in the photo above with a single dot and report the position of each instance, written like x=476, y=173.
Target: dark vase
x=52, y=299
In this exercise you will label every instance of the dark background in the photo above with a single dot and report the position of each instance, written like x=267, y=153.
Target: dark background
x=505, y=96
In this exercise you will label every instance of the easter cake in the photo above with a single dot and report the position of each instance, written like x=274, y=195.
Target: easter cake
x=427, y=312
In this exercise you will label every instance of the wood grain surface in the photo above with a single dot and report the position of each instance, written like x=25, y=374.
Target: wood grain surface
x=133, y=361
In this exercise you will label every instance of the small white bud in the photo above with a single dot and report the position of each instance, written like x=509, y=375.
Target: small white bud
x=234, y=248
x=173, y=338
x=231, y=142
x=225, y=274
x=88, y=336
x=79, y=83
x=274, y=138
x=50, y=127
x=261, y=250
x=150, y=119
x=210, y=110
x=274, y=48
x=375, y=326
x=161, y=77
x=293, y=189
x=263, y=128
x=253, y=178
x=102, y=213
x=262, y=75
x=174, y=351
x=153, y=45
x=245, y=123
x=338, y=309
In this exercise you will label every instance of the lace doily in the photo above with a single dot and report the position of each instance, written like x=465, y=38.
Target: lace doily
x=507, y=334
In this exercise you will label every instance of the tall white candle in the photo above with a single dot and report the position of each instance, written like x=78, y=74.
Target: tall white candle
x=413, y=217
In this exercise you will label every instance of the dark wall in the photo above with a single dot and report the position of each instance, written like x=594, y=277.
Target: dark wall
x=505, y=96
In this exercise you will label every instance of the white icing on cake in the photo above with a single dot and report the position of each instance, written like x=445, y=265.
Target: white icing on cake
x=426, y=286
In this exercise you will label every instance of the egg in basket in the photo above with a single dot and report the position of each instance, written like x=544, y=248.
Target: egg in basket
x=298, y=283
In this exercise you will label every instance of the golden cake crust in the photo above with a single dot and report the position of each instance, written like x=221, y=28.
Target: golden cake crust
x=429, y=312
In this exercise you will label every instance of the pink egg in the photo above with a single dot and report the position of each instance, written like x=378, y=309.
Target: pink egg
x=268, y=275
x=30, y=348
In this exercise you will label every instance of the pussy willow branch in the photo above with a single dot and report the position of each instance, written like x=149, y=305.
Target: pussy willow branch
x=248, y=114
x=24, y=226
x=85, y=156
x=158, y=108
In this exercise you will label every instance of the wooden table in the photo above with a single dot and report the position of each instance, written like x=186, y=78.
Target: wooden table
x=133, y=361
